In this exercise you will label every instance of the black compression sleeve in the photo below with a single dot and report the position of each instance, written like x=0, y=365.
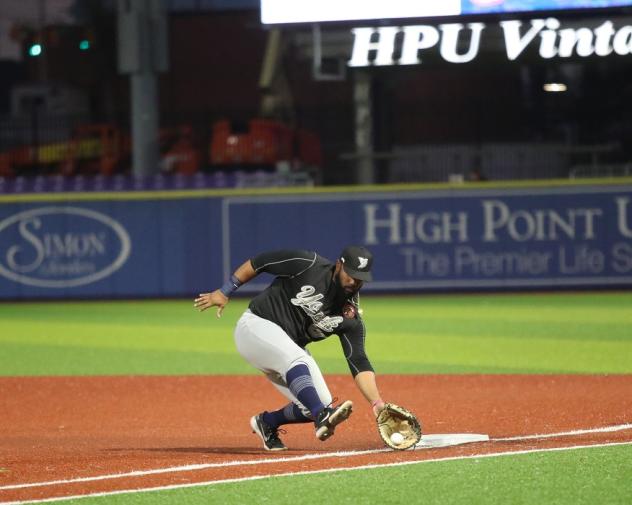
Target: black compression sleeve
x=352, y=340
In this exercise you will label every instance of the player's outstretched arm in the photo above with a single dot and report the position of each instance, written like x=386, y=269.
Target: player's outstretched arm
x=220, y=297
x=368, y=387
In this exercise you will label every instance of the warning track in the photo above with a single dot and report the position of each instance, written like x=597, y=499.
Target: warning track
x=75, y=436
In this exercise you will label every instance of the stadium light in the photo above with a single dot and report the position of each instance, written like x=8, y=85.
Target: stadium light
x=555, y=87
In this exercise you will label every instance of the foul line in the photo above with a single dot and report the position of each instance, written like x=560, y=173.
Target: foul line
x=305, y=457
x=606, y=429
x=322, y=471
x=200, y=466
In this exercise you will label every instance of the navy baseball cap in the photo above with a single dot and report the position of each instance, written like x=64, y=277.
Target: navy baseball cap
x=357, y=261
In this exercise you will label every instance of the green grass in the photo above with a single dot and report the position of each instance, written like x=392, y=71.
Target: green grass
x=582, y=476
x=526, y=333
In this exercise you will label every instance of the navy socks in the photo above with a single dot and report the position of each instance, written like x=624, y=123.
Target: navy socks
x=290, y=414
x=300, y=383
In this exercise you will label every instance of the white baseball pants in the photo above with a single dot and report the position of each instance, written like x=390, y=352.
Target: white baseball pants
x=268, y=348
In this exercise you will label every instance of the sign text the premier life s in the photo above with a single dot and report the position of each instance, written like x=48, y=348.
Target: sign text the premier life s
x=461, y=43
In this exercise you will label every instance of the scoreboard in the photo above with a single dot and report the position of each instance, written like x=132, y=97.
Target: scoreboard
x=321, y=11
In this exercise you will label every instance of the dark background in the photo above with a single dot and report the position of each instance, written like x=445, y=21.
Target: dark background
x=216, y=55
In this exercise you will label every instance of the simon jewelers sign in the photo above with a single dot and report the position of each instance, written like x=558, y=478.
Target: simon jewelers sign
x=461, y=43
x=61, y=247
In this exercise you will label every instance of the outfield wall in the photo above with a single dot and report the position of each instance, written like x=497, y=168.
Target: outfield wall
x=482, y=236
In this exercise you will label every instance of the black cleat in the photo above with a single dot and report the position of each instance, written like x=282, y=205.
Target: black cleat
x=331, y=417
x=268, y=434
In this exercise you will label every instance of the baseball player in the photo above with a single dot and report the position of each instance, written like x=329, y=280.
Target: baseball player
x=310, y=299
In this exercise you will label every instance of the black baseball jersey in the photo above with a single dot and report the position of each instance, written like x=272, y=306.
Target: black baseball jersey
x=306, y=301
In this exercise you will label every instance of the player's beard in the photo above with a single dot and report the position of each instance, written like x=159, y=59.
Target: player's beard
x=348, y=291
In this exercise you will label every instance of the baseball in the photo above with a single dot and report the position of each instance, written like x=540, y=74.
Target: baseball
x=397, y=438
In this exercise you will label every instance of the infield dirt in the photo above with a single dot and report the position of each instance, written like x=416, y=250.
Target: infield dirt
x=96, y=428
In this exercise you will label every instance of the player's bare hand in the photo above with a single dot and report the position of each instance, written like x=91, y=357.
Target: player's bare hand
x=207, y=300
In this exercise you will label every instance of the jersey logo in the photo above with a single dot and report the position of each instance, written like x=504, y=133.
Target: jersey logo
x=363, y=261
x=311, y=305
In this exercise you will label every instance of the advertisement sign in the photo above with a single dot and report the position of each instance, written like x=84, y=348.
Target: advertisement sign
x=515, y=6
x=464, y=239
x=311, y=11
x=62, y=247
x=118, y=248
x=422, y=240
x=462, y=43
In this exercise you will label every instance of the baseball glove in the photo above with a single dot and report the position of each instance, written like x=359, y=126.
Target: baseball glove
x=395, y=419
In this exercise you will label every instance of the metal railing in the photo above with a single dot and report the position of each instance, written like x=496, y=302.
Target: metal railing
x=492, y=161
